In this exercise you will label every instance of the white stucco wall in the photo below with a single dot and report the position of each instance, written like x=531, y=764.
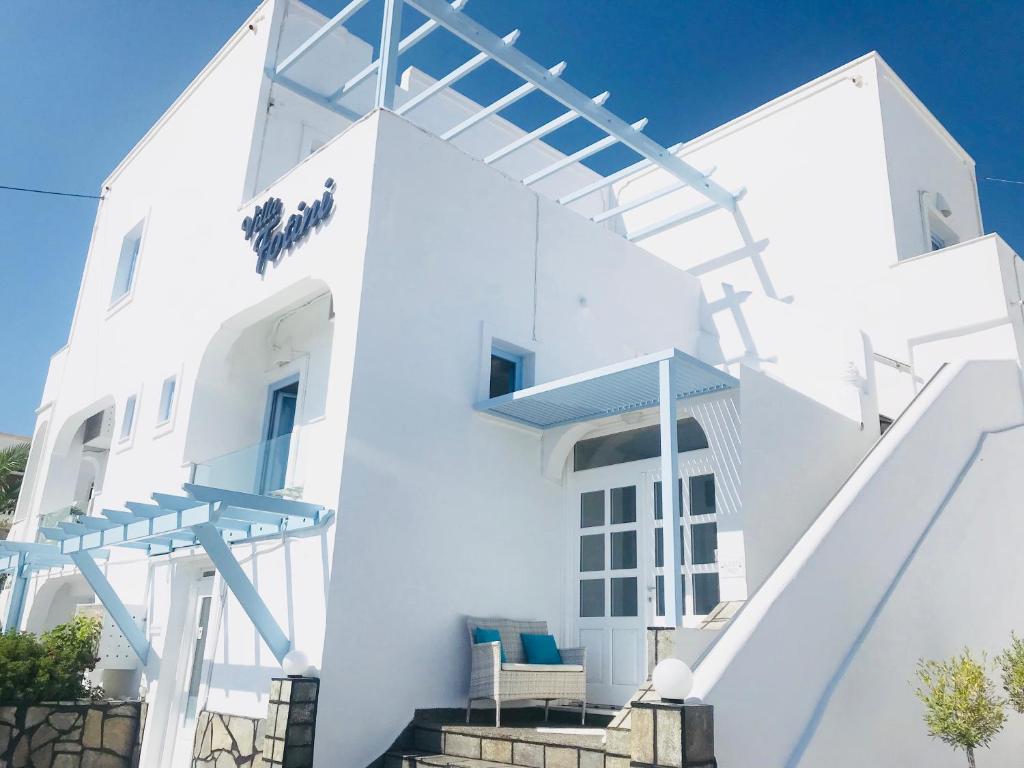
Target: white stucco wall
x=445, y=512
x=799, y=638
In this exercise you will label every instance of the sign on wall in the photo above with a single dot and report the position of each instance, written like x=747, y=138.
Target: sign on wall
x=270, y=239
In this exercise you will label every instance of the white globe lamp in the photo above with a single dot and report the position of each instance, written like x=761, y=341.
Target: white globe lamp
x=672, y=680
x=295, y=663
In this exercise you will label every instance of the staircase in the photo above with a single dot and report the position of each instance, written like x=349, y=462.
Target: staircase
x=440, y=738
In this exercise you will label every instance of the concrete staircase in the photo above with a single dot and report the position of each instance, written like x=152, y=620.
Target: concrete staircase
x=440, y=738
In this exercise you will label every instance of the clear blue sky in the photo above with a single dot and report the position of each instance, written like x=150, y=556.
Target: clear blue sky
x=84, y=79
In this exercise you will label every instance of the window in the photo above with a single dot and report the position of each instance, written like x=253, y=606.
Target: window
x=128, y=418
x=699, y=524
x=935, y=213
x=166, y=400
x=126, y=263
x=506, y=372
x=634, y=445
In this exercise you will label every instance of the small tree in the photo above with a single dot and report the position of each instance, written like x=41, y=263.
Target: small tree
x=961, y=707
x=1011, y=661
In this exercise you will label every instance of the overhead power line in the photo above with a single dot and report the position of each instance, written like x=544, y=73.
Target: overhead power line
x=49, y=192
x=1004, y=181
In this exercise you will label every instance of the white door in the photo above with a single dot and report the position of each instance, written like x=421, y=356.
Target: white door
x=197, y=629
x=699, y=537
x=609, y=523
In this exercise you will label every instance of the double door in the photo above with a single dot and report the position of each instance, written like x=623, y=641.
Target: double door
x=617, y=576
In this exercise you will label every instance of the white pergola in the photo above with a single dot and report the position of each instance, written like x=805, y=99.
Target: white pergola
x=536, y=78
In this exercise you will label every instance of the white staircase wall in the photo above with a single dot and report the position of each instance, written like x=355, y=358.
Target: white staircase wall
x=915, y=556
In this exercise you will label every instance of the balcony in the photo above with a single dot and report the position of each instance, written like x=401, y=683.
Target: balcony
x=263, y=469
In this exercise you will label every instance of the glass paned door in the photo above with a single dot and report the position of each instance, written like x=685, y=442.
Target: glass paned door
x=699, y=536
x=280, y=423
x=609, y=617
x=194, y=645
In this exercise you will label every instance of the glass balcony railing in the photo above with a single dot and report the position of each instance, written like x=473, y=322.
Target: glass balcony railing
x=261, y=469
x=72, y=513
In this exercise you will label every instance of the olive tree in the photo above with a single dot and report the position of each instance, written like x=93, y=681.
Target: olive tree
x=961, y=707
x=1011, y=662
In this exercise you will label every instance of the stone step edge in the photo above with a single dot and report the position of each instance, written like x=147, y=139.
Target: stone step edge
x=515, y=740
x=543, y=746
x=440, y=761
x=441, y=728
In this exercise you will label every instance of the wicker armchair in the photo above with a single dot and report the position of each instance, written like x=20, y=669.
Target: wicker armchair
x=515, y=680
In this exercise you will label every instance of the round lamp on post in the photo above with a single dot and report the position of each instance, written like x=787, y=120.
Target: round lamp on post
x=295, y=663
x=672, y=679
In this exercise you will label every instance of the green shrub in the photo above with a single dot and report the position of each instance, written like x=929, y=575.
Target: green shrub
x=961, y=707
x=1011, y=661
x=51, y=667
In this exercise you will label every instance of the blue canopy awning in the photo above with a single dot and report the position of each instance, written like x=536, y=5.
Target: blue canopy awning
x=627, y=386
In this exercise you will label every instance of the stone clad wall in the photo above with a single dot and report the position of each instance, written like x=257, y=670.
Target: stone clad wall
x=86, y=734
x=228, y=741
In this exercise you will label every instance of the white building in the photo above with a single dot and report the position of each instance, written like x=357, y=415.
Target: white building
x=339, y=404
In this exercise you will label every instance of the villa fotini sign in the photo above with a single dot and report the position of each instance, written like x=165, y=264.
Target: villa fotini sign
x=269, y=239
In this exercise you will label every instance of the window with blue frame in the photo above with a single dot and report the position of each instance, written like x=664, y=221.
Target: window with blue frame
x=128, y=419
x=167, y=400
x=506, y=372
x=124, y=277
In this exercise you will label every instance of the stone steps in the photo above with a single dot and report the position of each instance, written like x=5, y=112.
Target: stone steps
x=436, y=739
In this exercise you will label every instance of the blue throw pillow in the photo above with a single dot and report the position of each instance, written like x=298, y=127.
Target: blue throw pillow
x=484, y=635
x=541, y=649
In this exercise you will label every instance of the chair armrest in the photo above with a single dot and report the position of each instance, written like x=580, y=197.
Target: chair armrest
x=574, y=656
x=486, y=658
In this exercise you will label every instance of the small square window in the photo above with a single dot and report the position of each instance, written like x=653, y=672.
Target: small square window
x=702, y=495
x=167, y=400
x=506, y=373
x=659, y=589
x=659, y=547
x=624, y=599
x=623, y=550
x=128, y=418
x=124, y=277
x=705, y=593
x=591, y=597
x=592, y=552
x=591, y=509
x=623, y=505
x=705, y=542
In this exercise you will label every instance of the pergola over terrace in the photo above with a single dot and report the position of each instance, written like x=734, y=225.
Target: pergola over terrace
x=536, y=79
x=211, y=518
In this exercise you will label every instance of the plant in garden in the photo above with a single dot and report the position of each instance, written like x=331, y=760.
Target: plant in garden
x=1011, y=662
x=51, y=667
x=961, y=706
x=13, y=459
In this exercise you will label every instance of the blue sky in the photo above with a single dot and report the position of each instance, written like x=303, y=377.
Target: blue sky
x=84, y=79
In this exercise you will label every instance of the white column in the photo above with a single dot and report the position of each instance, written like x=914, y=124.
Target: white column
x=670, y=501
x=390, y=35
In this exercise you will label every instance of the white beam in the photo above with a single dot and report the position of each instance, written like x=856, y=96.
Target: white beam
x=544, y=130
x=454, y=76
x=496, y=106
x=670, y=501
x=636, y=203
x=675, y=218
x=607, y=181
x=387, y=68
x=582, y=154
x=340, y=18
x=523, y=66
x=405, y=44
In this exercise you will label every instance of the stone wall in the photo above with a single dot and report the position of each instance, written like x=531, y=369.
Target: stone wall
x=84, y=734
x=228, y=741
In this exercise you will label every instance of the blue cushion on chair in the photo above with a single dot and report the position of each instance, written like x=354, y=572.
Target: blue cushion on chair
x=484, y=635
x=541, y=649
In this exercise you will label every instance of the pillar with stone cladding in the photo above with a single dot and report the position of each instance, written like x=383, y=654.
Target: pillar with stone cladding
x=291, y=722
x=670, y=734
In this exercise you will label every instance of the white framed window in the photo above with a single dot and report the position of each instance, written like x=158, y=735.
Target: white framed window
x=935, y=213
x=506, y=372
x=124, y=276
x=128, y=419
x=167, y=399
